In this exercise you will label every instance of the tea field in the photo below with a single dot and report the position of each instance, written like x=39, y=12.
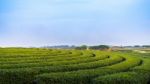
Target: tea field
x=57, y=66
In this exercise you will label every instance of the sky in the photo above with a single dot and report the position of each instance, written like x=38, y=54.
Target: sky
x=74, y=22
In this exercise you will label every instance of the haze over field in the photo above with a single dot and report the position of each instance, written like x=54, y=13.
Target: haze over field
x=91, y=22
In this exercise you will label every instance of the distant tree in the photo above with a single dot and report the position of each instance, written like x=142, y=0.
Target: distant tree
x=146, y=46
x=137, y=46
x=100, y=47
x=83, y=47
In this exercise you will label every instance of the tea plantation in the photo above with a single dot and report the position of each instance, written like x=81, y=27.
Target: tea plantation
x=57, y=66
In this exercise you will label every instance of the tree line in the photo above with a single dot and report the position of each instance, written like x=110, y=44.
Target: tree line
x=97, y=47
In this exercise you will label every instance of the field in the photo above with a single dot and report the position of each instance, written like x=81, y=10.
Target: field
x=57, y=66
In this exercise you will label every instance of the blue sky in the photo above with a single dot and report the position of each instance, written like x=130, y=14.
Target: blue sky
x=74, y=22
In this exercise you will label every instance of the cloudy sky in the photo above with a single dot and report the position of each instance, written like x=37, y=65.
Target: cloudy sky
x=58, y=22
